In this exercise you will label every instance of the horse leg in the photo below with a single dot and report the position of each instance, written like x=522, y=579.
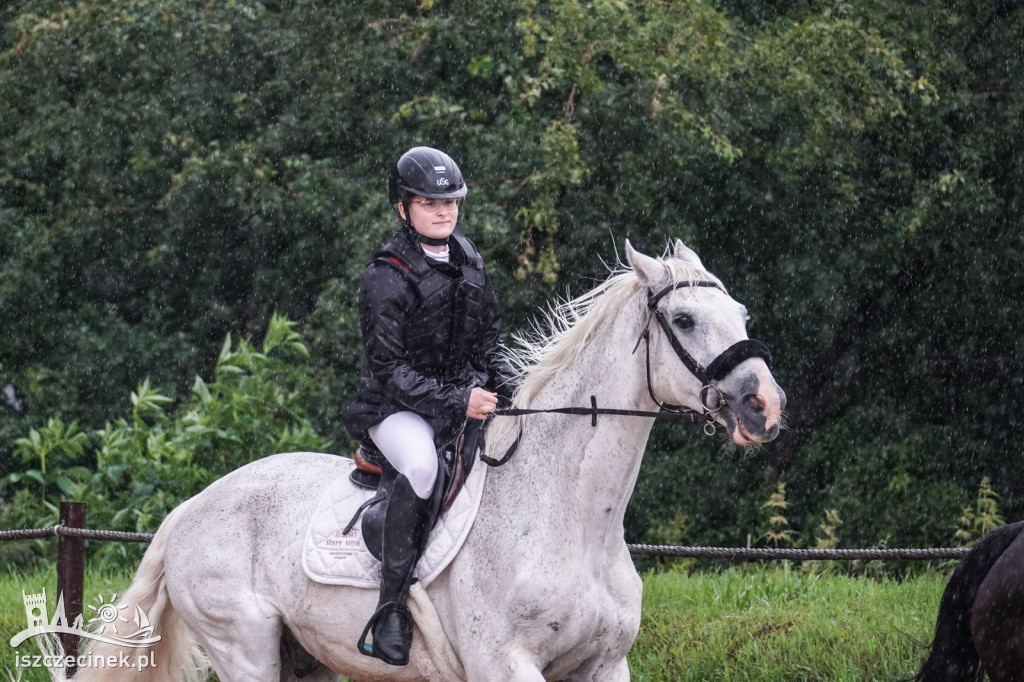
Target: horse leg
x=997, y=619
x=520, y=667
x=601, y=672
x=321, y=674
x=619, y=672
x=210, y=585
x=515, y=666
x=296, y=662
x=241, y=641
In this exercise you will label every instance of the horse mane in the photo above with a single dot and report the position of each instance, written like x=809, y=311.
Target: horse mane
x=568, y=327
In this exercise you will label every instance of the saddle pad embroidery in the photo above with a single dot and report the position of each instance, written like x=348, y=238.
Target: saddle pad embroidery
x=332, y=558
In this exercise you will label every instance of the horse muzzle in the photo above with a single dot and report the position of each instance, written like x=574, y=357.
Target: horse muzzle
x=753, y=404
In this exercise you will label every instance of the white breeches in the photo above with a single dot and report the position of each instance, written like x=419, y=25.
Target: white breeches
x=407, y=441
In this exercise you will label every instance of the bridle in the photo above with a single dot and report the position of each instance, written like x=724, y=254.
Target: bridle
x=709, y=376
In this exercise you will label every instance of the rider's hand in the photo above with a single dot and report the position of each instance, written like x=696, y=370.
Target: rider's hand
x=481, y=403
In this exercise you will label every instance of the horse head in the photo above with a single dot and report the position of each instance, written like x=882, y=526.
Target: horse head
x=699, y=354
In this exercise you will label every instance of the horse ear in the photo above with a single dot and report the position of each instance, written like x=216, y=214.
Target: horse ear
x=651, y=272
x=686, y=254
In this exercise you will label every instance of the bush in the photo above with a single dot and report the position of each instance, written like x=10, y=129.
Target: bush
x=133, y=471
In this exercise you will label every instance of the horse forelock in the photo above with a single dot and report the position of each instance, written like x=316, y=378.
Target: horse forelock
x=556, y=340
x=681, y=271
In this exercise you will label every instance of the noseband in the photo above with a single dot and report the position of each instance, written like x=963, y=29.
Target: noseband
x=708, y=376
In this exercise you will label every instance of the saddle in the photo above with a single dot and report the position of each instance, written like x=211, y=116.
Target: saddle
x=456, y=461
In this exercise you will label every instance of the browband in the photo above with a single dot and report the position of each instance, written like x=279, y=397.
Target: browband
x=652, y=298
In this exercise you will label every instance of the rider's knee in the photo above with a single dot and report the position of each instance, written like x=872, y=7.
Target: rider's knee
x=422, y=474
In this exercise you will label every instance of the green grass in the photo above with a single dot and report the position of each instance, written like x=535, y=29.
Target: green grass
x=752, y=623
x=743, y=623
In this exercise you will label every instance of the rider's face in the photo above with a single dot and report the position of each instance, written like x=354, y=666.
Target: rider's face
x=434, y=218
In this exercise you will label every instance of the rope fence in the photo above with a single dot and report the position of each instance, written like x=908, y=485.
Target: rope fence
x=784, y=554
x=732, y=553
x=81, y=533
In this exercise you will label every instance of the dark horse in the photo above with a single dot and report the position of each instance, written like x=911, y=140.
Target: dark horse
x=980, y=628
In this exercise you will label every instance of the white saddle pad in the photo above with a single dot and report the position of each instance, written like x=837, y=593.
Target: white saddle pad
x=334, y=558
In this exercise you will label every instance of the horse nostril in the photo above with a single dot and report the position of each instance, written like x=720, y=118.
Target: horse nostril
x=755, y=402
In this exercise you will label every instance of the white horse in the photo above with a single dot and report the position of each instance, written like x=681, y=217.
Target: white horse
x=544, y=587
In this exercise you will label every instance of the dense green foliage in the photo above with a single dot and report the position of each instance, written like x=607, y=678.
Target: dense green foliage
x=172, y=172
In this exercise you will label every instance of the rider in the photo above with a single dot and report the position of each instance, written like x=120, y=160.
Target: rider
x=431, y=359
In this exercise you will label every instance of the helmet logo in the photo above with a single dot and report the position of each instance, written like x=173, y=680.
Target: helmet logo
x=442, y=182
x=439, y=169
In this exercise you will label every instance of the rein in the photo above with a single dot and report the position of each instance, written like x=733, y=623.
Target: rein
x=708, y=376
x=593, y=411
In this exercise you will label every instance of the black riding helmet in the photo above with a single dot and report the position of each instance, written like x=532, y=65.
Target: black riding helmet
x=425, y=172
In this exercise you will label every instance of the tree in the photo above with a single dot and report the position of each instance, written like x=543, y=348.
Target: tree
x=174, y=173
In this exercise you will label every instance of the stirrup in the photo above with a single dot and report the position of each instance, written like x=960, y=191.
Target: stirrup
x=384, y=609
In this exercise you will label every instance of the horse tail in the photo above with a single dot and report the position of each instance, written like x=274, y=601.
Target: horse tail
x=953, y=657
x=175, y=657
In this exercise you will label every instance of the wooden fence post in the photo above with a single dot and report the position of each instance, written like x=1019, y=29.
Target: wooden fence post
x=71, y=575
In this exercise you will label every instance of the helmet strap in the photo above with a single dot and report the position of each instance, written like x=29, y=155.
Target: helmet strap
x=403, y=213
x=431, y=240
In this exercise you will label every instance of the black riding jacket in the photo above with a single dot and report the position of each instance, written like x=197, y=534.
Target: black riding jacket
x=430, y=335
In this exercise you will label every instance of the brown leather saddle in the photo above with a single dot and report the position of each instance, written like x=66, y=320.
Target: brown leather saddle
x=366, y=474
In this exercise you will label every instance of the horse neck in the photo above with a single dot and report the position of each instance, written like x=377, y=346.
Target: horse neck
x=564, y=457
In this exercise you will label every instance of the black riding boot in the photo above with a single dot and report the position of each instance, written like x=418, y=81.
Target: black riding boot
x=407, y=523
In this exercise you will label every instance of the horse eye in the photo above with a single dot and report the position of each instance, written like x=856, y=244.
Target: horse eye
x=684, y=321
